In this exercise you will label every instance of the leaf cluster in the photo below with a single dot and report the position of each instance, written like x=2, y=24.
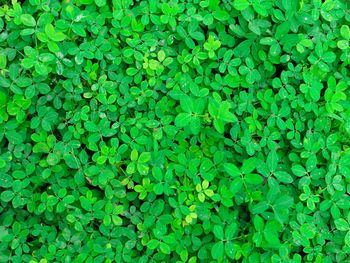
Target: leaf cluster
x=174, y=131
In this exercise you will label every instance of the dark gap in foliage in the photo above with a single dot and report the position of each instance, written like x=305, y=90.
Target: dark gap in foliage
x=4, y=143
x=43, y=187
x=279, y=69
x=87, y=150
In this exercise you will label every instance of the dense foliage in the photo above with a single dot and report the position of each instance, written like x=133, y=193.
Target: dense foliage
x=174, y=131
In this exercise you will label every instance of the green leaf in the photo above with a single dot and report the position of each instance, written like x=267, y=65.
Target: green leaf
x=186, y=104
x=236, y=185
x=3, y=61
x=298, y=170
x=77, y=29
x=284, y=177
x=272, y=161
x=91, y=127
x=195, y=125
x=249, y=165
x=134, y=155
x=144, y=157
x=270, y=234
x=52, y=159
x=41, y=147
x=343, y=44
x=53, y=34
x=260, y=207
x=217, y=250
x=230, y=250
x=267, y=41
x=6, y=196
x=341, y=224
x=28, y=63
x=142, y=168
x=347, y=238
x=100, y=3
x=153, y=244
x=28, y=20
x=221, y=15
x=183, y=119
x=165, y=248
x=232, y=170
x=85, y=203
x=218, y=232
x=219, y=125
x=72, y=161
x=240, y=5
x=345, y=32
x=253, y=179
x=41, y=69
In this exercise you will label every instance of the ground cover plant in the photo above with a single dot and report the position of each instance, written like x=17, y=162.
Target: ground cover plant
x=174, y=131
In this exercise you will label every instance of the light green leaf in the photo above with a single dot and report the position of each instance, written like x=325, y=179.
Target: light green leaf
x=28, y=20
x=240, y=5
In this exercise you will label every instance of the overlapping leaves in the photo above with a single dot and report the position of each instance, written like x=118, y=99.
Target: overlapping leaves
x=174, y=131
